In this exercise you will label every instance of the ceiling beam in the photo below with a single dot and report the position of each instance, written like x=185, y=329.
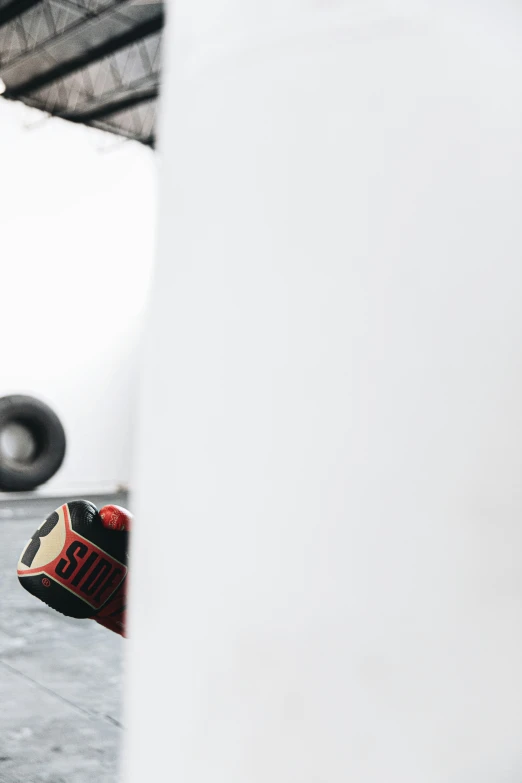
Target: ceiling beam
x=108, y=47
x=101, y=112
x=15, y=8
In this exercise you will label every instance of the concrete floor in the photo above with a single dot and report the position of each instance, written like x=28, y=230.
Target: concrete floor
x=60, y=683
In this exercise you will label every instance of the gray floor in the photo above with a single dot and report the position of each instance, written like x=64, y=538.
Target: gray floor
x=60, y=683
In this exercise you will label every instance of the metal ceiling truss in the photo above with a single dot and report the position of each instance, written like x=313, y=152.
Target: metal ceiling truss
x=13, y=8
x=95, y=62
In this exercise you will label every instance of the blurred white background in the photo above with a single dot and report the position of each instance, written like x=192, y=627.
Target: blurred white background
x=77, y=221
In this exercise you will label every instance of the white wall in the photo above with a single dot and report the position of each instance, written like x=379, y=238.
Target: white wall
x=76, y=247
x=327, y=578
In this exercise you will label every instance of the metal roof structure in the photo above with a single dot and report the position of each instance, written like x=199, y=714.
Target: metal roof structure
x=95, y=62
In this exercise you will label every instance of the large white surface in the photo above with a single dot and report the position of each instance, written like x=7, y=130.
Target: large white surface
x=76, y=249
x=327, y=569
